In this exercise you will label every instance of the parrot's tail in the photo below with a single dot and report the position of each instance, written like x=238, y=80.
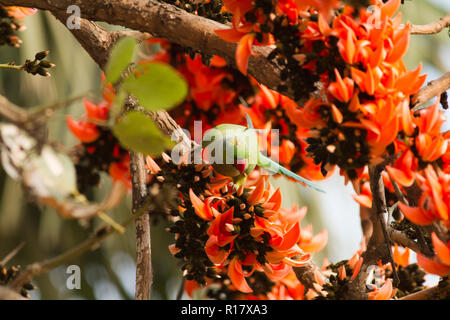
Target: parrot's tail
x=271, y=165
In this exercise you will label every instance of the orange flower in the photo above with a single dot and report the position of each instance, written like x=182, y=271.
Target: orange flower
x=307, y=116
x=310, y=243
x=84, y=131
x=433, y=265
x=243, y=51
x=384, y=293
x=442, y=249
x=431, y=144
x=403, y=170
x=402, y=259
x=434, y=201
x=342, y=89
x=120, y=171
x=20, y=13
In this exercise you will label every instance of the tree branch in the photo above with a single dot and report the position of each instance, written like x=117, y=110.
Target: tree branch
x=433, y=89
x=92, y=242
x=165, y=21
x=144, y=275
x=432, y=28
x=8, y=294
x=426, y=294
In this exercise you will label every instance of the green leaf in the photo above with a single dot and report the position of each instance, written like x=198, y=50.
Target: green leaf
x=139, y=133
x=157, y=86
x=121, y=56
x=117, y=106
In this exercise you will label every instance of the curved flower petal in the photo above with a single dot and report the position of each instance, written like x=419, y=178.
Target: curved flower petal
x=84, y=131
x=236, y=275
x=199, y=206
x=433, y=266
x=415, y=215
x=443, y=251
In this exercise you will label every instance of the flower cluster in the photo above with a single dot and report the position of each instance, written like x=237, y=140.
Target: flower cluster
x=363, y=104
x=219, y=94
x=235, y=237
x=99, y=150
x=362, y=113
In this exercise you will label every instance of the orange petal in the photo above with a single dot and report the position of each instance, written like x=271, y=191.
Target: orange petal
x=276, y=199
x=415, y=215
x=173, y=249
x=84, y=131
x=433, y=266
x=443, y=251
x=236, y=276
x=199, y=206
x=401, y=43
x=218, y=62
x=385, y=292
x=357, y=268
x=214, y=252
x=317, y=243
x=363, y=200
x=152, y=165
x=290, y=238
x=257, y=193
x=230, y=35
x=405, y=81
x=389, y=8
x=401, y=259
x=341, y=272
x=243, y=52
x=400, y=176
x=407, y=121
x=336, y=114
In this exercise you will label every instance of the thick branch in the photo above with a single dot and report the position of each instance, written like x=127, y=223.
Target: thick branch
x=96, y=39
x=166, y=21
x=144, y=275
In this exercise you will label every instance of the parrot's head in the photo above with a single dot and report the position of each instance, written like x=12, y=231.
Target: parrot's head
x=231, y=149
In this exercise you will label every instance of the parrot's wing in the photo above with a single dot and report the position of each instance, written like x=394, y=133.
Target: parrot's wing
x=271, y=165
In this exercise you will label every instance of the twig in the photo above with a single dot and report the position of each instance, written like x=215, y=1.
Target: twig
x=181, y=289
x=305, y=274
x=432, y=28
x=10, y=66
x=432, y=89
x=379, y=211
x=8, y=294
x=402, y=239
x=12, y=254
x=422, y=245
x=92, y=242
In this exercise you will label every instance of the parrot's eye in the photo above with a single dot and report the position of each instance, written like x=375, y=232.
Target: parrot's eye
x=241, y=165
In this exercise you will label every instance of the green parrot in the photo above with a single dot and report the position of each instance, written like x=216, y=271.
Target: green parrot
x=234, y=152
